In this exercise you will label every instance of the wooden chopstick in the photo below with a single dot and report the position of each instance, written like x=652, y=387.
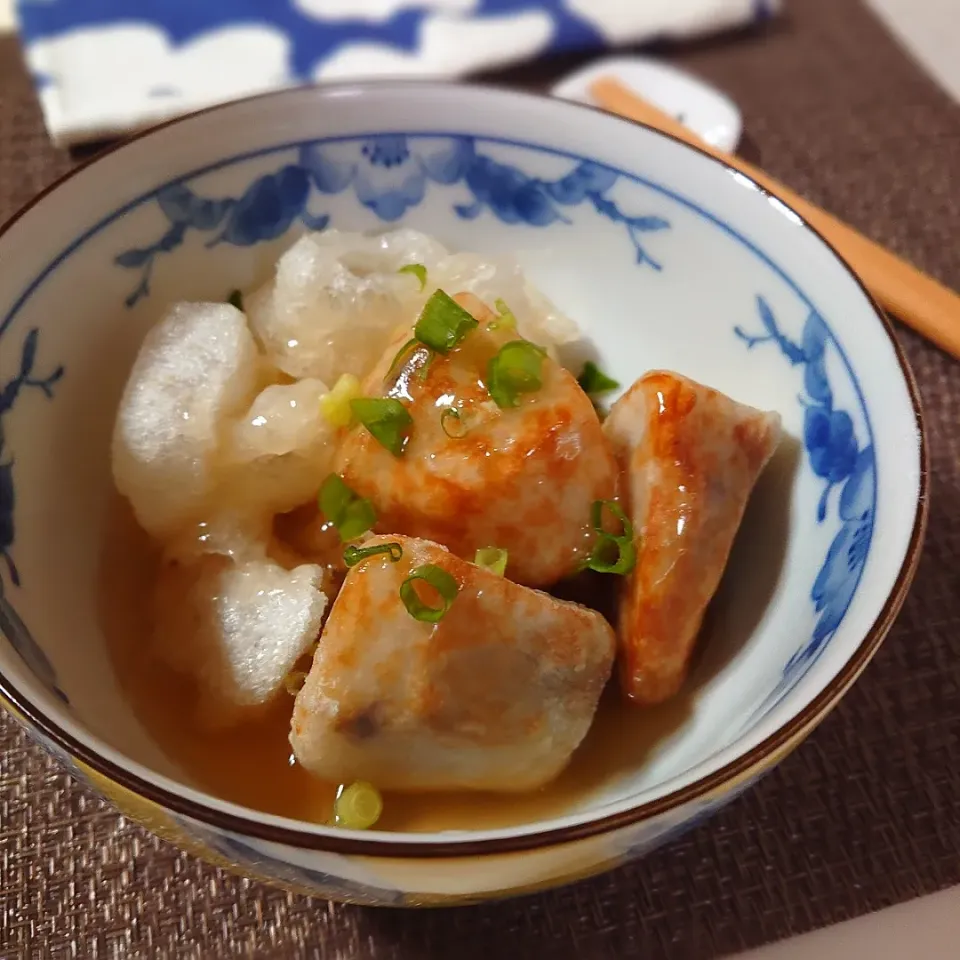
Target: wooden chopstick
x=918, y=300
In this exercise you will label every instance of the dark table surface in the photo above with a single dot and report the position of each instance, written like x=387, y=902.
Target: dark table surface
x=865, y=814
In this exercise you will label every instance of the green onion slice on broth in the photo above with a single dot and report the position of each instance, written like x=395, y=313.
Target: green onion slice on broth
x=357, y=806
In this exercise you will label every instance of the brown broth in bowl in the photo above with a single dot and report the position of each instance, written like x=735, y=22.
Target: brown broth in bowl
x=252, y=764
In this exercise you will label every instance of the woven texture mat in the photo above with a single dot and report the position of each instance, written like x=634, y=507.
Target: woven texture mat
x=865, y=814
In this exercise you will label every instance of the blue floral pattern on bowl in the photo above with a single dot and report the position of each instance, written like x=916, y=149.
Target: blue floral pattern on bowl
x=12, y=627
x=836, y=458
x=388, y=174
x=251, y=858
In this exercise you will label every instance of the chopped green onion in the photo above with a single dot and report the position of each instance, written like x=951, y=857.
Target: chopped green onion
x=335, y=405
x=236, y=300
x=602, y=558
x=418, y=270
x=357, y=806
x=387, y=419
x=506, y=319
x=513, y=371
x=493, y=559
x=594, y=380
x=452, y=424
x=440, y=580
x=596, y=519
x=357, y=518
x=622, y=563
x=334, y=497
x=353, y=516
x=353, y=555
x=443, y=323
x=294, y=680
x=425, y=369
x=401, y=353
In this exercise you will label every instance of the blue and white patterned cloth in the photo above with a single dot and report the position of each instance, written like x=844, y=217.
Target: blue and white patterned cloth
x=104, y=67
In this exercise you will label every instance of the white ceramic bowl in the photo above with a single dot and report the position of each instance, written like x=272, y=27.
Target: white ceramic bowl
x=665, y=257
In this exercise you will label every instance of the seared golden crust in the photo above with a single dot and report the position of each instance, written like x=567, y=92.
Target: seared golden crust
x=496, y=696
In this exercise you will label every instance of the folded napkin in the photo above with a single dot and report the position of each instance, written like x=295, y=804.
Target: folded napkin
x=104, y=67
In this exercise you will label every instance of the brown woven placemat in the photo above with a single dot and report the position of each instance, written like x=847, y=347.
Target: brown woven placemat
x=865, y=814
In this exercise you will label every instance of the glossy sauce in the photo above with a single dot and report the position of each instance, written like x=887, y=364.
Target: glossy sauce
x=691, y=471
x=529, y=454
x=251, y=765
